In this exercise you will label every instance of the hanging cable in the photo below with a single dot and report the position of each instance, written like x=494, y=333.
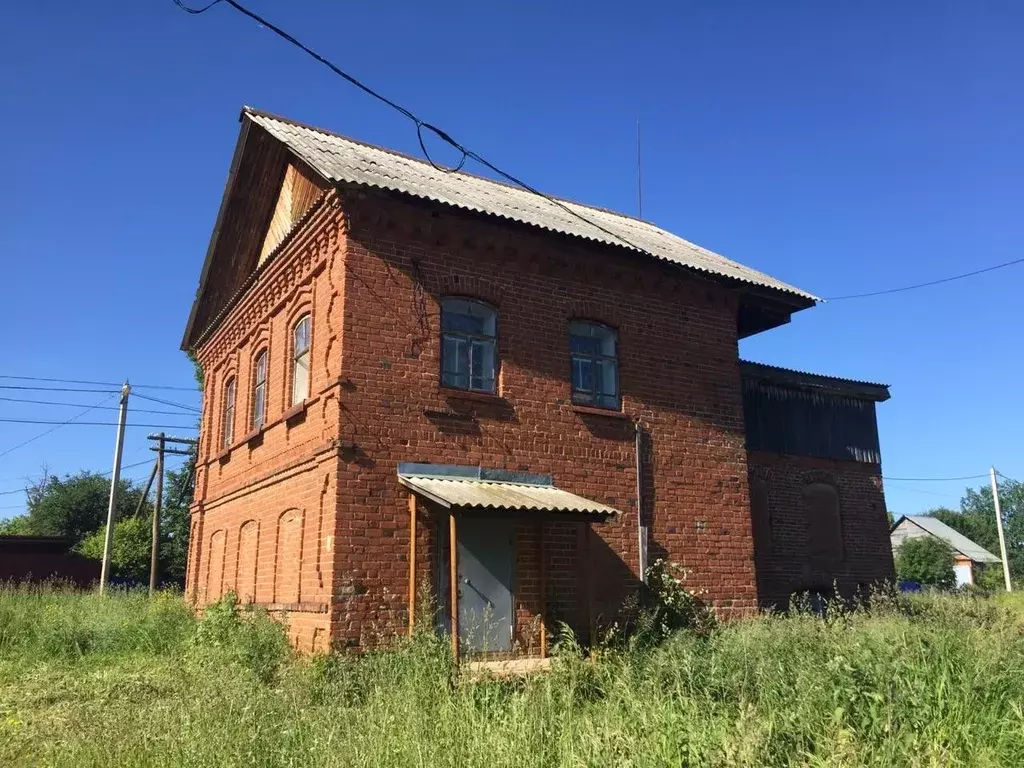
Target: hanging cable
x=929, y=283
x=59, y=425
x=79, y=405
x=420, y=124
x=168, y=402
x=933, y=479
x=90, y=424
x=97, y=383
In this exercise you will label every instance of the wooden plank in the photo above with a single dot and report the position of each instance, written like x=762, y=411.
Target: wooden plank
x=412, y=563
x=589, y=564
x=543, y=592
x=453, y=580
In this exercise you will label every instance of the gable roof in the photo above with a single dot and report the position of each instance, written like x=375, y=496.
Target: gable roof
x=951, y=536
x=342, y=160
x=814, y=382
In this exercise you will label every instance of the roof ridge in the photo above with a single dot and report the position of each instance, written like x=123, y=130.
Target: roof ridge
x=246, y=109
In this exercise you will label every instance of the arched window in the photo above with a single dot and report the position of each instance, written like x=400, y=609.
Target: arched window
x=228, y=418
x=259, y=391
x=595, y=364
x=468, y=332
x=300, y=360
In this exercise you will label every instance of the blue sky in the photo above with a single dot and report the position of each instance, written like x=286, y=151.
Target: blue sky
x=841, y=147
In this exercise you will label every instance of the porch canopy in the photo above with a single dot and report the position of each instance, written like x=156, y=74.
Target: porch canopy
x=480, y=492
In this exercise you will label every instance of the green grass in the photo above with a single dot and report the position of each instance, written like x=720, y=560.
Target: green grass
x=125, y=681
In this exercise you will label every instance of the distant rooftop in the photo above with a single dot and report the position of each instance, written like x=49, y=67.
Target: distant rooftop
x=951, y=536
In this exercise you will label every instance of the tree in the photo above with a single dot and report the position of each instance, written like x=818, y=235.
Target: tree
x=977, y=521
x=74, y=506
x=927, y=560
x=129, y=553
x=179, y=489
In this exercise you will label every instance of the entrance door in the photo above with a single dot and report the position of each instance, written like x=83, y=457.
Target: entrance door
x=486, y=555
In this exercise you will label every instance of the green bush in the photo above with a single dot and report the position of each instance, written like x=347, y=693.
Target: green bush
x=926, y=560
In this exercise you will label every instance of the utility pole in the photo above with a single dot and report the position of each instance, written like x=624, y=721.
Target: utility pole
x=154, y=553
x=115, y=480
x=999, y=527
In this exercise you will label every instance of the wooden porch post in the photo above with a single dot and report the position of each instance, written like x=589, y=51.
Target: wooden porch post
x=587, y=535
x=453, y=579
x=412, y=563
x=543, y=594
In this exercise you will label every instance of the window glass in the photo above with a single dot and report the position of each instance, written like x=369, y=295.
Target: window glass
x=595, y=365
x=300, y=361
x=229, y=412
x=468, y=355
x=259, y=392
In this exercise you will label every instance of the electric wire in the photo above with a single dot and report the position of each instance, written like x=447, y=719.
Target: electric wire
x=96, y=383
x=58, y=426
x=927, y=284
x=420, y=124
x=168, y=402
x=101, y=474
x=79, y=405
x=933, y=479
x=91, y=424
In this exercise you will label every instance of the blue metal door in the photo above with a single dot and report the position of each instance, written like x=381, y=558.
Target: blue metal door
x=486, y=556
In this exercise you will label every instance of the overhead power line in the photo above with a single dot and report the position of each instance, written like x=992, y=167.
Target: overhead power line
x=79, y=405
x=421, y=125
x=58, y=426
x=168, y=402
x=58, y=389
x=929, y=283
x=101, y=474
x=933, y=479
x=97, y=383
x=90, y=424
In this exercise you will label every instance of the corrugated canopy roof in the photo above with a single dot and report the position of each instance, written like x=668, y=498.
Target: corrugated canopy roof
x=463, y=493
x=954, y=538
x=340, y=159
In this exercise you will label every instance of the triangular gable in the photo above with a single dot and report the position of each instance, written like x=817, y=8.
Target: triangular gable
x=267, y=192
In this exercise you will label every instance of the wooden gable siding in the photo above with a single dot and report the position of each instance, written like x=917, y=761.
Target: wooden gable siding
x=297, y=194
x=249, y=208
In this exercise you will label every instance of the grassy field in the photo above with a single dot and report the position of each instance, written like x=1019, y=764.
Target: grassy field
x=125, y=681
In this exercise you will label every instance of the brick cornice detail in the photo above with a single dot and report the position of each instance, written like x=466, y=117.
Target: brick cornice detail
x=305, y=256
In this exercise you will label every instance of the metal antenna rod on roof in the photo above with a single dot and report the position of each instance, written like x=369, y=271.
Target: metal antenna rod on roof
x=639, y=176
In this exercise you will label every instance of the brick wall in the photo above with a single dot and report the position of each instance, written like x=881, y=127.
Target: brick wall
x=679, y=376
x=306, y=516
x=798, y=547
x=264, y=517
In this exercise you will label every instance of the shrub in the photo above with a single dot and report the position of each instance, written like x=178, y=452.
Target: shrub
x=926, y=560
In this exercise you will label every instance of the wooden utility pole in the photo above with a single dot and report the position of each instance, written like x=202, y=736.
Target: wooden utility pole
x=115, y=480
x=999, y=528
x=154, y=551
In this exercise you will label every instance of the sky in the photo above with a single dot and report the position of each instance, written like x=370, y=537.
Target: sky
x=844, y=148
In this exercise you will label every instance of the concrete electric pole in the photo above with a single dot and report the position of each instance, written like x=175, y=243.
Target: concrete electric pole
x=115, y=480
x=999, y=527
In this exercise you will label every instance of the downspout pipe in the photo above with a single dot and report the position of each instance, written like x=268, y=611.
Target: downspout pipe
x=641, y=528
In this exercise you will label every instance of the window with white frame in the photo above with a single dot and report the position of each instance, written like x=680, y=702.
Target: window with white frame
x=228, y=417
x=468, y=331
x=595, y=364
x=259, y=391
x=300, y=360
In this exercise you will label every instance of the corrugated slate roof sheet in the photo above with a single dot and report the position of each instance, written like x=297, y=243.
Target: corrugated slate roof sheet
x=340, y=159
x=954, y=538
x=483, y=494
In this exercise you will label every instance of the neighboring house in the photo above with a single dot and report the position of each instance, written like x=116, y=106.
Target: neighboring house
x=548, y=395
x=966, y=554
x=41, y=558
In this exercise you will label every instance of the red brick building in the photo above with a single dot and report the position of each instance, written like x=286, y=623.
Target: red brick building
x=547, y=395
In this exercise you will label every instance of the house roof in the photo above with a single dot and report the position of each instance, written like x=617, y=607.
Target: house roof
x=341, y=159
x=864, y=390
x=344, y=161
x=954, y=538
x=487, y=495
